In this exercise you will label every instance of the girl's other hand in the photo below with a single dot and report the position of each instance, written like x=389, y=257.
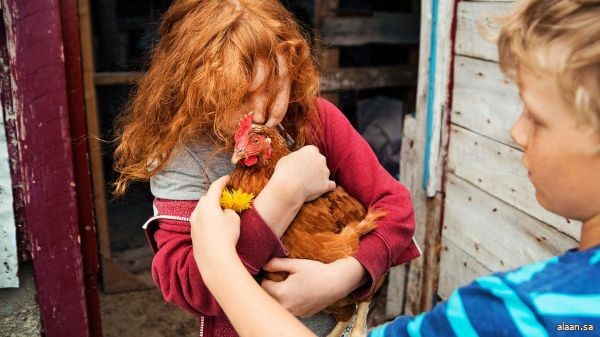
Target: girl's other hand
x=312, y=286
x=214, y=230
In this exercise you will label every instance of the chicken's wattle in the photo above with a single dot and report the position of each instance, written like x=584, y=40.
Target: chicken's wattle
x=252, y=160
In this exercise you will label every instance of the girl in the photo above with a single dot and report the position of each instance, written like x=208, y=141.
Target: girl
x=216, y=61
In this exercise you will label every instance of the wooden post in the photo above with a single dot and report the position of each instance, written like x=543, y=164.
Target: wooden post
x=330, y=57
x=91, y=109
x=40, y=104
x=83, y=183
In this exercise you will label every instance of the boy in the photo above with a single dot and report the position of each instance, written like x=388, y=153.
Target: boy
x=552, y=49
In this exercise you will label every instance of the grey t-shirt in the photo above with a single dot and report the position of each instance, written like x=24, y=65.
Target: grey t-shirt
x=187, y=176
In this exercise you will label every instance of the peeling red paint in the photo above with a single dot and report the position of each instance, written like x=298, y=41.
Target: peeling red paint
x=24, y=249
x=39, y=104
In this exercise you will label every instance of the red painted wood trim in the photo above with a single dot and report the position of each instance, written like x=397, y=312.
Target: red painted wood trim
x=40, y=103
x=83, y=183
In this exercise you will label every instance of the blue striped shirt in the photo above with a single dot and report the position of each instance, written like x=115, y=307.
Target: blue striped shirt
x=556, y=297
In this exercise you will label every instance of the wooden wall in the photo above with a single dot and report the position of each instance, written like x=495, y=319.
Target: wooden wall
x=479, y=214
x=492, y=220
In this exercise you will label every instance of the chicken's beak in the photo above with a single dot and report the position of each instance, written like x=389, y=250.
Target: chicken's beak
x=237, y=155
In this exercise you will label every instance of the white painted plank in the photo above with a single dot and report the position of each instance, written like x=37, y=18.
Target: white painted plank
x=484, y=100
x=457, y=268
x=9, y=263
x=497, y=169
x=395, y=292
x=494, y=233
x=411, y=173
x=441, y=95
x=469, y=40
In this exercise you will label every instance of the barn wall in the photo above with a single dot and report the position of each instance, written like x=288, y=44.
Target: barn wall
x=491, y=218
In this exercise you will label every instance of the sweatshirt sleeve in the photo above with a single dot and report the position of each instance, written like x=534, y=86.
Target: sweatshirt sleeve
x=174, y=269
x=355, y=167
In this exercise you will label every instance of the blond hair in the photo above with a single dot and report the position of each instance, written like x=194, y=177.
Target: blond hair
x=560, y=38
x=199, y=77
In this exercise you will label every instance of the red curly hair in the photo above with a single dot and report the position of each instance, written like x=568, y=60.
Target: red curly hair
x=199, y=78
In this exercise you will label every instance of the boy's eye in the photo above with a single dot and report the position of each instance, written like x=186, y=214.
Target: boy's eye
x=531, y=117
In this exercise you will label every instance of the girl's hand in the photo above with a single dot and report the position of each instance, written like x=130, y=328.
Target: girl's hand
x=312, y=286
x=299, y=177
x=214, y=230
x=304, y=174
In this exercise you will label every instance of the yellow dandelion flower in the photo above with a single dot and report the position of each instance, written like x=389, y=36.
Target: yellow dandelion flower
x=236, y=200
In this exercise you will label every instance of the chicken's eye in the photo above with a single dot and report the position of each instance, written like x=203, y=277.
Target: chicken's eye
x=255, y=140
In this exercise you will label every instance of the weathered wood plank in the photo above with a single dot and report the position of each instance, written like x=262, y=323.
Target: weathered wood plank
x=40, y=102
x=394, y=28
x=421, y=278
x=496, y=234
x=83, y=184
x=484, y=100
x=9, y=262
x=439, y=95
x=112, y=78
x=394, y=305
x=331, y=79
x=457, y=268
x=368, y=78
x=497, y=169
x=12, y=141
x=93, y=125
x=398, y=276
x=469, y=40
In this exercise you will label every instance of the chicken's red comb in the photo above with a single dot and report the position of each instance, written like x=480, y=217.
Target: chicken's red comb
x=243, y=128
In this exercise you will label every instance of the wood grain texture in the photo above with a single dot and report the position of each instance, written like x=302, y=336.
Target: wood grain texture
x=40, y=103
x=93, y=125
x=457, y=268
x=367, y=78
x=475, y=18
x=497, y=169
x=83, y=183
x=9, y=262
x=494, y=233
x=484, y=101
x=12, y=142
x=440, y=87
x=394, y=28
x=421, y=282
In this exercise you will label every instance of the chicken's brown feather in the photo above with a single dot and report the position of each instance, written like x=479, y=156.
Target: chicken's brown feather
x=325, y=229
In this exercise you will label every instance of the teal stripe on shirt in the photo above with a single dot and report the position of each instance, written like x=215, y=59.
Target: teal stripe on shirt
x=523, y=318
x=414, y=327
x=526, y=273
x=567, y=304
x=596, y=258
x=457, y=317
x=378, y=331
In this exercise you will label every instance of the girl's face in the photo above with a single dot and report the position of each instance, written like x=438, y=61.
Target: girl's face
x=259, y=97
x=560, y=154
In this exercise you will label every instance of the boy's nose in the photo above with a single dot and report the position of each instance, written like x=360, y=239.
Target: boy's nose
x=519, y=131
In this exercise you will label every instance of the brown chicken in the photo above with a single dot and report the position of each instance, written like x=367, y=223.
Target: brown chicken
x=325, y=229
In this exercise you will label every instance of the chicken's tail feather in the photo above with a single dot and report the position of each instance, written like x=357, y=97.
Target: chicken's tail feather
x=367, y=224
